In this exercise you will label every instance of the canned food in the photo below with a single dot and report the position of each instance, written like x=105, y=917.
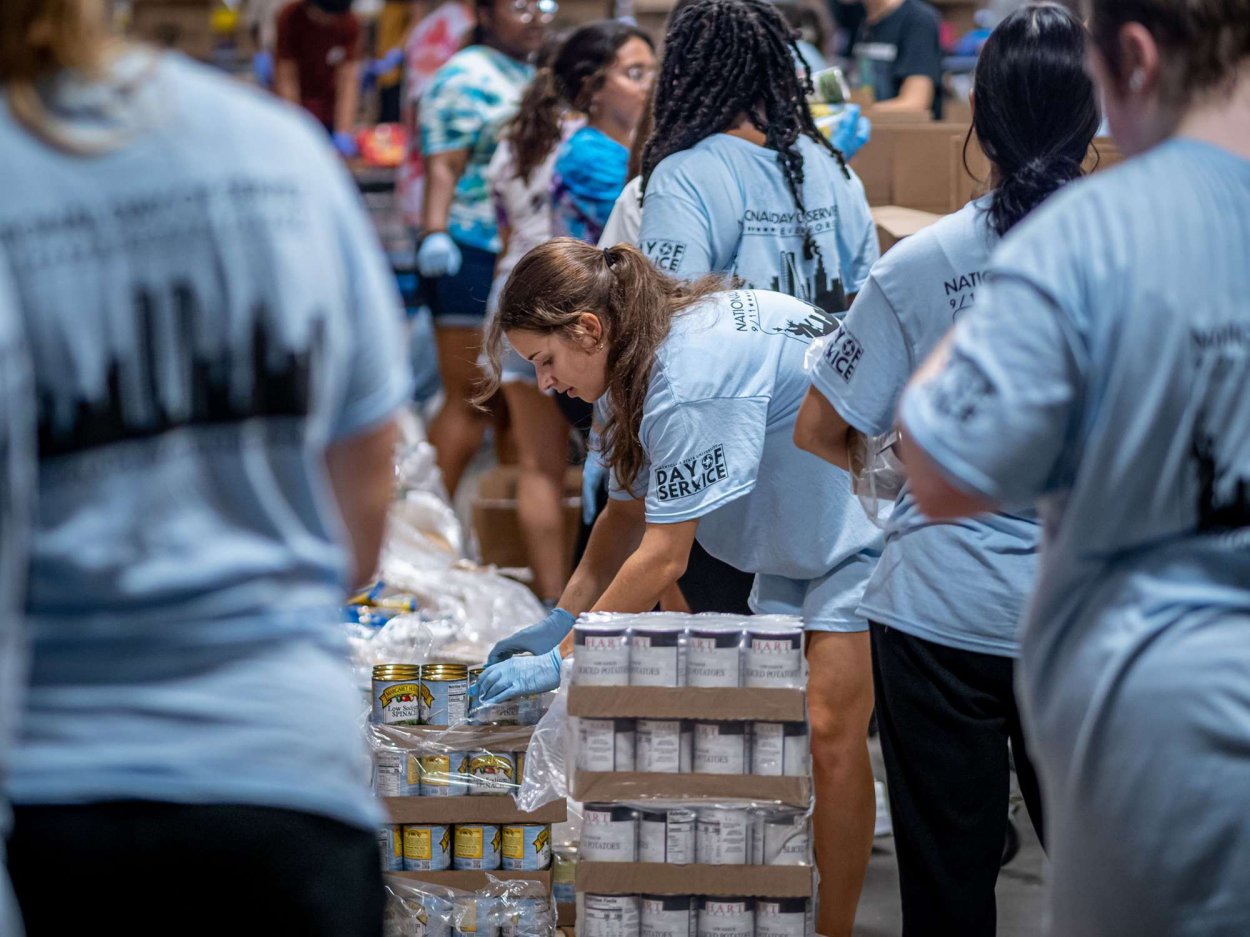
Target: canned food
x=681, y=839
x=723, y=836
x=507, y=713
x=780, y=748
x=657, y=657
x=518, y=759
x=444, y=693
x=526, y=847
x=609, y=833
x=397, y=694
x=726, y=917
x=492, y=772
x=609, y=916
x=528, y=917
x=600, y=655
x=781, y=838
x=720, y=748
x=530, y=709
x=652, y=830
x=474, y=917
x=774, y=657
x=564, y=877
x=665, y=915
x=427, y=848
x=477, y=847
x=660, y=745
x=605, y=744
x=391, y=847
x=713, y=658
x=783, y=917
x=443, y=775
x=388, y=772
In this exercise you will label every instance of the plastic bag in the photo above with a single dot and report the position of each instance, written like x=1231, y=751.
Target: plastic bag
x=511, y=908
x=546, y=778
x=420, y=761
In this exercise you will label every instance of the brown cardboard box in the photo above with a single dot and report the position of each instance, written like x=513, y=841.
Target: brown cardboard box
x=922, y=171
x=498, y=527
x=1103, y=154
x=630, y=786
x=895, y=223
x=470, y=809
x=874, y=163
x=623, y=702
x=474, y=881
x=658, y=878
x=566, y=914
x=185, y=25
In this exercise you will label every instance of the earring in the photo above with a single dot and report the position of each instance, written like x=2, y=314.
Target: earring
x=1137, y=80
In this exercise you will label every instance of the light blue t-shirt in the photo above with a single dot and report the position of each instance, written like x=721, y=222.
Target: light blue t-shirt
x=961, y=584
x=1106, y=371
x=206, y=316
x=718, y=428
x=17, y=483
x=723, y=206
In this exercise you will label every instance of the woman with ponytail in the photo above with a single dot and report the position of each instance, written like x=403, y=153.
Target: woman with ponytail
x=946, y=599
x=602, y=70
x=217, y=356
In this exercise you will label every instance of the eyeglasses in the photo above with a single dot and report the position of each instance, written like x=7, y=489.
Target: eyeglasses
x=639, y=74
x=529, y=10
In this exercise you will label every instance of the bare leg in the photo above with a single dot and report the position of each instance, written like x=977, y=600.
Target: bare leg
x=840, y=700
x=541, y=435
x=457, y=430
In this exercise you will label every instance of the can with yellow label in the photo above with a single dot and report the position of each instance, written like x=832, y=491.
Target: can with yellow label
x=526, y=847
x=444, y=775
x=397, y=695
x=492, y=772
x=427, y=848
x=477, y=847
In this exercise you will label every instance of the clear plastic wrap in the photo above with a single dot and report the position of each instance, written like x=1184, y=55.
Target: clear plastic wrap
x=511, y=908
x=460, y=761
x=546, y=778
x=675, y=650
x=877, y=474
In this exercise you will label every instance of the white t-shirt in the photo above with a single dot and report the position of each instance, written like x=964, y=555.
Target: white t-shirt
x=625, y=223
x=523, y=206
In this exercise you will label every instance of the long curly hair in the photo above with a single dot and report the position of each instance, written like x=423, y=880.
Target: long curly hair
x=729, y=59
x=558, y=281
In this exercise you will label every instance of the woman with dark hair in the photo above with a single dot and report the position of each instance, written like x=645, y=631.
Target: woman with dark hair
x=700, y=385
x=461, y=114
x=946, y=599
x=1103, y=374
x=737, y=179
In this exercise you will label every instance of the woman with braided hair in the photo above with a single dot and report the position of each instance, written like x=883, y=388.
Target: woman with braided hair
x=737, y=179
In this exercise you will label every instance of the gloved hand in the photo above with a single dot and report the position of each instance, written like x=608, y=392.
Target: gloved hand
x=345, y=143
x=439, y=256
x=519, y=676
x=376, y=68
x=536, y=639
x=852, y=132
x=262, y=69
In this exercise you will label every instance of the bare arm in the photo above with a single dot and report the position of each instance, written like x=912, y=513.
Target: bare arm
x=347, y=96
x=286, y=80
x=442, y=172
x=659, y=561
x=821, y=430
x=914, y=96
x=362, y=476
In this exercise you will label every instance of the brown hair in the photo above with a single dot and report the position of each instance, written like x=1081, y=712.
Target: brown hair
x=39, y=38
x=1203, y=42
x=558, y=281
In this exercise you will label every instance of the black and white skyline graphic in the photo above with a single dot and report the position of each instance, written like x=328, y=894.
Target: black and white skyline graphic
x=818, y=288
x=1223, y=497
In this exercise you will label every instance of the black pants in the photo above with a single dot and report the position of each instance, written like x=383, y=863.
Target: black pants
x=946, y=718
x=147, y=868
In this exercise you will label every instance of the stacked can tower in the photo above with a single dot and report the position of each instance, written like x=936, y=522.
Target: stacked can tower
x=709, y=771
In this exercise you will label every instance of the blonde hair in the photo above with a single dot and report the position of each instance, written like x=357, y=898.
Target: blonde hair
x=40, y=38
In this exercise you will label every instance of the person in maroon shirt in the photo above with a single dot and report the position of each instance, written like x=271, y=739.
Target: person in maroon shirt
x=318, y=64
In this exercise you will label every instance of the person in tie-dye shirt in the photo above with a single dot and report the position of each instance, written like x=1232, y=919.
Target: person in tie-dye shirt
x=461, y=114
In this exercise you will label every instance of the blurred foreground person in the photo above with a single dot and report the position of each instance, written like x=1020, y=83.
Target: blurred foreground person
x=217, y=358
x=1105, y=371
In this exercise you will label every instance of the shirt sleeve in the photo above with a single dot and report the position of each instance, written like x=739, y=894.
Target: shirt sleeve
x=866, y=363
x=451, y=115
x=1005, y=407
x=626, y=218
x=857, y=239
x=378, y=380
x=702, y=454
x=920, y=51
x=677, y=227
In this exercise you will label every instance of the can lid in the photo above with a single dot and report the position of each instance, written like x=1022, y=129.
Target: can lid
x=582, y=631
x=444, y=671
x=396, y=670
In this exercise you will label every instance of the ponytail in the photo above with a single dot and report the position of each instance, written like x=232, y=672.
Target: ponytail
x=1036, y=143
x=550, y=289
x=535, y=130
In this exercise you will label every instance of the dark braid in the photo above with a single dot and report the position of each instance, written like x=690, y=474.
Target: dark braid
x=725, y=59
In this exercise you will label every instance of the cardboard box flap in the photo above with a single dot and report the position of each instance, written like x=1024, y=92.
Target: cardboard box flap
x=475, y=881
x=631, y=786
x=658, y=878
x=901, y=222
x=709, y=703
x=499, y=809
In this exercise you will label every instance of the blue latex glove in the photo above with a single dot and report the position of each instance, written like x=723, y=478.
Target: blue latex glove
x=519, y=676
x=536, y=639
x=853, y=131
x=439, y=256
x=345, y=143
x=262, y=69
